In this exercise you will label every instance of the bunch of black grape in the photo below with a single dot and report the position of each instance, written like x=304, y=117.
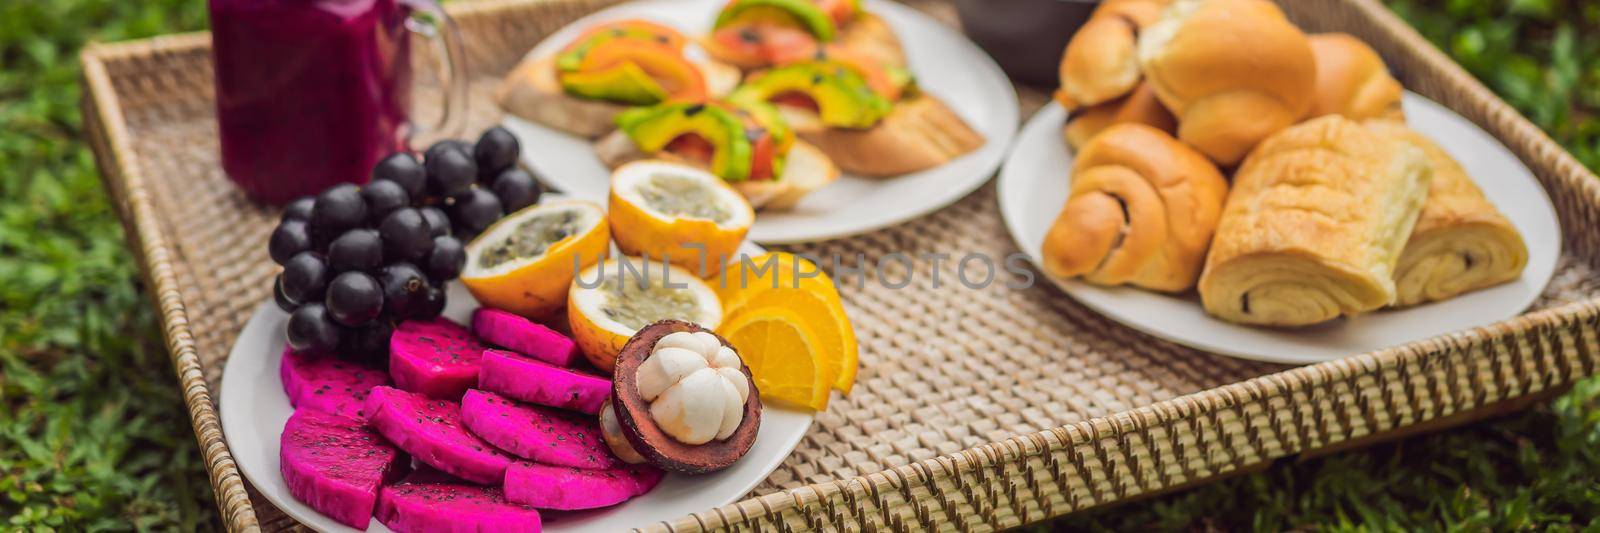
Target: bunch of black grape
x=359, y=259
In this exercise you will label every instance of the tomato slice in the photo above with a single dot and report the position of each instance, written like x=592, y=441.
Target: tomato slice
x=681, y=78
x=841, y=11
x=871, y=71
x=762, y=153
x=635, y=29
x=797, y=100
x=766, y=44
x=693, y=147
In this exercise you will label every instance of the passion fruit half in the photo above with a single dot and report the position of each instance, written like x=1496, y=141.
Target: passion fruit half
x=648, y=438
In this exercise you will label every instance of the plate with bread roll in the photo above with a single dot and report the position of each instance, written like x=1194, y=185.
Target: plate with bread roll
x=1212, y=175
x=829, y=117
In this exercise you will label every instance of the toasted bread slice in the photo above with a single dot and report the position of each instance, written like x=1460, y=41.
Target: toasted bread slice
x=806, y=169
x=532, y=91
x=920, y=133
x=870, y=36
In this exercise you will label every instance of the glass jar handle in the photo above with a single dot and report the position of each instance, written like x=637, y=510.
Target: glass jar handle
x=429, y=20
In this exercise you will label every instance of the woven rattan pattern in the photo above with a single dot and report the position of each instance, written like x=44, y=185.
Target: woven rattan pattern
x=1103, y=413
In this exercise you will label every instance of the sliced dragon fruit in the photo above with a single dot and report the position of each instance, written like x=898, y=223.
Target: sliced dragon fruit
x=436, y=358
x=425, y=502
x=327, y=384
x=527, y=380
x=512, y=332
x=430, y=430
x=336, y=465
x=566, y=488
x=541, y=434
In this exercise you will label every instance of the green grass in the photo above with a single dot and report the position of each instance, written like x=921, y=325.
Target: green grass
x=93, y=435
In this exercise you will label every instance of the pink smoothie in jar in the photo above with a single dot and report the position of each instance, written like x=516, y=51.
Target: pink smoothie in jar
x=310, y=93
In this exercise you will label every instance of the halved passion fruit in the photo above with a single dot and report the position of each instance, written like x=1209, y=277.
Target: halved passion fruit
x=677, y=212
x=524, y=262
x=683, y=399
x=611, y=301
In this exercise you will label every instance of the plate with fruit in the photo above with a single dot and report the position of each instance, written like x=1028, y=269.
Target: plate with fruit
x=538, y=372
x=831, y=117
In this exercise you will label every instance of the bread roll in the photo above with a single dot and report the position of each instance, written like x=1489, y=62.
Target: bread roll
x=1138, y=107
x=1314, y=227
x=1232, y=71
x=1352, y=80
x=1101, y=61
x=1142, y=211
x=1461, y=242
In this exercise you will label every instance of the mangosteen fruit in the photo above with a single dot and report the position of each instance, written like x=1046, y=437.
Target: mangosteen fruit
x=683, y=399
x=611, y=432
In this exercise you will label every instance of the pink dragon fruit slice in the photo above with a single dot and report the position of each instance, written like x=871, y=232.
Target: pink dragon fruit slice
x=336, y=465
x=429, y=502
x=566, y=488
x=430, y=430
x=512, y=332
x=527, y=380
x=327, y=384
x=541, y=434
x=437, y=358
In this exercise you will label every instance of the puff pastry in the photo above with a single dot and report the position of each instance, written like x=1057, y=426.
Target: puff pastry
x=1461, y=242
x=1142, y=210
x=1315, y=224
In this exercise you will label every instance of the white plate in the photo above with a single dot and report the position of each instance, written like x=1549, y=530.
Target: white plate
x=1033, y=187
x=255, y=409
x=946, y=64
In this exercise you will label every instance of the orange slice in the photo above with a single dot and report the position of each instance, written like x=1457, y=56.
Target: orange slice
x=784, y=356
x=524, y=262
x=825, y=317
x=743, y=277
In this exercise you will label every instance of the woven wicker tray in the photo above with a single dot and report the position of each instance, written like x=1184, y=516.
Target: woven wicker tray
x=975, y=409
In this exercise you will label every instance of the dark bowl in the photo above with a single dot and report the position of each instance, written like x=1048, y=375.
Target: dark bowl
x=1026, y=37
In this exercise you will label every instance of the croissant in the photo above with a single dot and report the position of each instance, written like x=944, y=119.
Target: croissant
x=1461, y=242
x=1139, y=106
x=1314, y=227
x=1141, y=211
x=1100, y=63
x=1232, y=71
x=1352, y=80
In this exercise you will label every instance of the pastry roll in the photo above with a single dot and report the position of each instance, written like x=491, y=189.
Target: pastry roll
x=1142, y=210
x=1101, y=63
x=1314, y=226
x=1139, y=106
x=1461, y=242
x=1352, y=80
x=1233, y=72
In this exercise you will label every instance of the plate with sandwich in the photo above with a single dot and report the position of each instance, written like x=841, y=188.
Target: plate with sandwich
x=831, y=117
x=1213, y=176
